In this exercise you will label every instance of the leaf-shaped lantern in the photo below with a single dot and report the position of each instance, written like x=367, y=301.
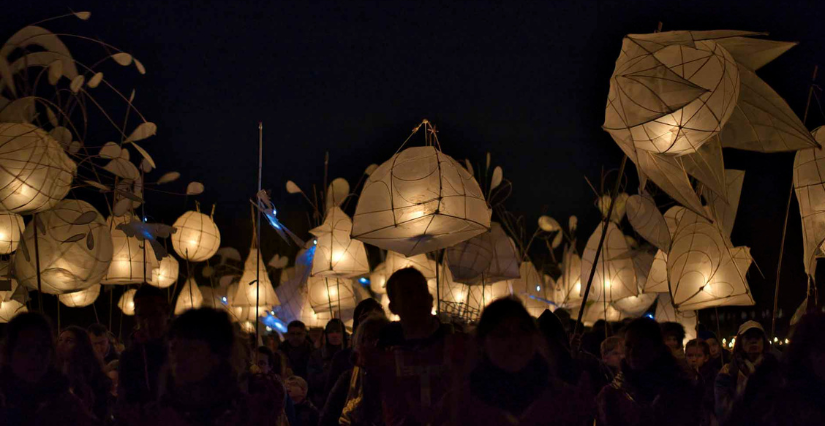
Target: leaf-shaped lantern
x=531, y=289
x=615, y=276
x=723, y=208
x=656, y=281
x=569, y=284
x=337, y=192
x=336, y=254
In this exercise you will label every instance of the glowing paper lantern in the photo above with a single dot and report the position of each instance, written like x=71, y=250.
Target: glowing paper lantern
x=166, y=273
x=335, y=253
x=251, y=293
x=483, y=295
x=75, y=250
x=615, y=276
x=329, y=294
x=656, y=281
x=11, y=225
x=190, y=297
x=666, y=312
x=126, y=303
x=569, y=285
x=378, y=279
x=419, y=201
x=704, y=269
x=648, y=221
x=35, y=172
x=395, y=262
x=506, y=261
x=723, y=207
x=595, y=311
x=635, y=305
x=10, y=308
x=809, y=185
x=80, y=298
x=197, y=237
x=128, y=256
x=529, y=287
x=470, y=259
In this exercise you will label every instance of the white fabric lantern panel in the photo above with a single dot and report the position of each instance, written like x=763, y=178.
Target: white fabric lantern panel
x=419, y=201
x=128, y=255
x=656, y=281
x=251, y=293
x=809, y=184
x=704, y=270
x=505, y=262
x=10, y=308
x=197, y=237
x=670, y=97
x=75, y=251
x=126, y=303
x=80, y=298
x=166, y=273
x=190, y=297
x=469, y=260
x=615, y=276
x=336, y=254
x=635, y=306
x=529, y=287
x=378, y=279
x=330, y=294
x=35, y=172
x=11, y=225
x=569, y=285
x=665, y=312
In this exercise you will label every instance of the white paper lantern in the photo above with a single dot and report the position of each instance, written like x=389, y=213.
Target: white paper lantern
x=506, y=260
x=251, y=293
x=73, y=256
x=483, y=295
x=166, y=273
x=330, y=294
x=470, y=259
x=419, y=201
x=190, y=297
x=648, y=221
x=615, y=276
x=11, y=224
x=395, y=262
x=197, y=237
x=10, y=308
x=704, y=269
x=336, y=254
x=668, y=96
x=569, y=285
x=80, y=298
x=35, y=172
x=595, y=311
x=656, y=281
x=128, y=256
x=126, y=303
x=809, y=184
x=665, y=312
x=294, y=301
x=378, y=279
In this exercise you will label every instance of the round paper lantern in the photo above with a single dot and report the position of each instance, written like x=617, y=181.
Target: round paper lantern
x=190, y=297
x=35, y=172
x=127, y=302
x=10, y=308
x=470, y=259
x=197, y=237
x=11, y=225
x=336, y=254
x=670, y=98
x=80, y=298
x=249, y=292
x=328, y=294
x=166, y=273
x=75, y=250
x=615, y=276
x=378, y=279
x=419, y=201
x=128, y=255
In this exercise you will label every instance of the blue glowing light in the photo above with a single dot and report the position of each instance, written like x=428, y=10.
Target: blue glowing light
x=224, y=300
x=363, y=280
x=649, y=315
x=273, y=322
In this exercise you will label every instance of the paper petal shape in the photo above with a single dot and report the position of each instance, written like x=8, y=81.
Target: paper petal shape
x=648, y=221
x=724, y=212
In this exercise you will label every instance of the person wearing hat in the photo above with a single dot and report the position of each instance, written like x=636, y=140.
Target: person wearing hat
x=749, y=352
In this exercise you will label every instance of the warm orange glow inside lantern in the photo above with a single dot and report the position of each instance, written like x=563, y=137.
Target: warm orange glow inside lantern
x=336, y=254
x=11, y=225
x=197, y=237
x=166, y=273
x=80, y=298
x=128, y=256
x=127, y=302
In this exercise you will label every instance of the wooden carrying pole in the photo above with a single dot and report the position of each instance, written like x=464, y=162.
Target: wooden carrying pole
x=258, y=229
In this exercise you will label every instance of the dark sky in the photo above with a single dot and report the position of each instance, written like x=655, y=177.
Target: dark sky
x=524, y=81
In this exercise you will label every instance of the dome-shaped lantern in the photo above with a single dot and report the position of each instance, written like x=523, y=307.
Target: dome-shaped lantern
x=35, y=172
x=75, y=249
x=197, y=237
x=246, y=294
x=166, y=273
x=128, y=256
x=126, y=303
x=11, y=225
x=190, y=297
x=419, y=201
x=80, y=298
x=336, y=254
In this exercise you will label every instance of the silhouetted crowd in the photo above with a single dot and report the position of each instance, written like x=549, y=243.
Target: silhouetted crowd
x=507, y=369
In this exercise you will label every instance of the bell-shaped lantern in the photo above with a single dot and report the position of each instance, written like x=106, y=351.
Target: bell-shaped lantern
x=11, y=225
x=128, y=259
x=190, y=297
x=250, y=292
x=197, y=237
x=126, y=303
x=615, y=276
x=35, y=172
x=166, y=273
x=80, y=298
x=419, y=201
x=336, y=254
x=75, y=249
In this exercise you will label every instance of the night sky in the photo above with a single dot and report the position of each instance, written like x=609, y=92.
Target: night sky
x=526, y=82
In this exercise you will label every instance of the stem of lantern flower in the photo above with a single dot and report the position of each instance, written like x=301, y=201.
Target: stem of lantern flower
x=598, y=252
x=37, y=267
x=787, y=213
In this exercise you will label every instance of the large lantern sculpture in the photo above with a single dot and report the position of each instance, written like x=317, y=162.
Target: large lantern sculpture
x=197, y=237
x=35, y=172
x=80, y=298
x=190, y=297
x=130, y=258
x=419, y=201
x=11, y=225
x=166, y=273
x=615, y=276
x=336, y=254
x=75, y=250
x=126, y=303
